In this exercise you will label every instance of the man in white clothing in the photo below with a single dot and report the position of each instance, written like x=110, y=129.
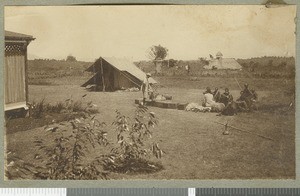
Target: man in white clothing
x=146, y=88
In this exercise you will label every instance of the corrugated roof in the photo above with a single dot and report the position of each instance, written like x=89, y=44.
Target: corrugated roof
x=124, y=64
x=9, y=35
x=224, y=63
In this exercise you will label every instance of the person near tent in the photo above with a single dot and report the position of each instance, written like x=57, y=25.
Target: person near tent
x=146, y=88
x=217, y=95
x=226, y=97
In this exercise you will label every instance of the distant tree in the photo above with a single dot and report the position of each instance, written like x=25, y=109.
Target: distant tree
x=203, y=61
x=157, y=52
x=71, y=58
x=172, y=62
x=283, y=65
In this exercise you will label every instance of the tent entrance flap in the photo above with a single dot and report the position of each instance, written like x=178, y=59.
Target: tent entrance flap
x=134, y=81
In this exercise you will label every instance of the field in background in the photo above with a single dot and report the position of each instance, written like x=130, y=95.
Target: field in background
x=55, y=72
x=194, y=144
x=261, y=67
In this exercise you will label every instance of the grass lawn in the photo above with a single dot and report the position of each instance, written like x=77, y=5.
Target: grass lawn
x=194, y=144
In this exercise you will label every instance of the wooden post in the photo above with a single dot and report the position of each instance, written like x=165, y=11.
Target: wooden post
x=103, y=82
x=26, y=71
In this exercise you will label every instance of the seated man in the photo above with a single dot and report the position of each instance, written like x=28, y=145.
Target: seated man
x=208, y=98
x=209, y=101
x=217, y=95
x=254, y=96
x=230, y=109
x=226, y=97
x=241, y=102
x=246, y=92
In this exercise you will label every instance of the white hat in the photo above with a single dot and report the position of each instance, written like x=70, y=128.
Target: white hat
x=148, y=74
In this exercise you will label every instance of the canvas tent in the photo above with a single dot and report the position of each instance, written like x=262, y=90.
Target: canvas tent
x=112, y=74
x=15, y=70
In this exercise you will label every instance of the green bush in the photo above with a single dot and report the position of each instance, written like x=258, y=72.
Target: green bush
x=66, y=155
x=131, y=154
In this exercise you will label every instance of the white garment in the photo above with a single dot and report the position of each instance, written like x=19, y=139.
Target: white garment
x=146, y=88
x=209, y=100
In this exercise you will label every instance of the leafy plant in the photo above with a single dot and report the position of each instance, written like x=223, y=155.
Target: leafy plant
x=66, y=155
x=131, y=154
x=16, y=168
x=38, y=109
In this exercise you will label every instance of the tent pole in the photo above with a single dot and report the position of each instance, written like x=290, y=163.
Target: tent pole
x=103, y=85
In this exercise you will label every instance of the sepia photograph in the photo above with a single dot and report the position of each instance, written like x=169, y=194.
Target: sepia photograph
x=149, y=92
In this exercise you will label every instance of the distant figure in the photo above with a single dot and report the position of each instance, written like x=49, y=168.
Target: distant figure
x=146, y=88
x=187, y=68
x=217, y=95
x=226, y=97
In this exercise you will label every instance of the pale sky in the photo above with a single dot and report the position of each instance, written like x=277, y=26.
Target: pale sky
x=189, y=32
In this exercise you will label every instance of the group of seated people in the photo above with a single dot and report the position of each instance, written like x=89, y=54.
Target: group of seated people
x=246, y=101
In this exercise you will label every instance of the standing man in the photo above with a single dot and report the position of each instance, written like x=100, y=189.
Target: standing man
x=146, y=88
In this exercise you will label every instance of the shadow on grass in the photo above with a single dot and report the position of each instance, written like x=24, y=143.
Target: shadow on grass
x=278, y=108
x=135, y=166
x=14, y=125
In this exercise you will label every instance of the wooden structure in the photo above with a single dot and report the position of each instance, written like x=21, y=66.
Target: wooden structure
x=112, y=74
x=163, y=104
x=15, y=69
